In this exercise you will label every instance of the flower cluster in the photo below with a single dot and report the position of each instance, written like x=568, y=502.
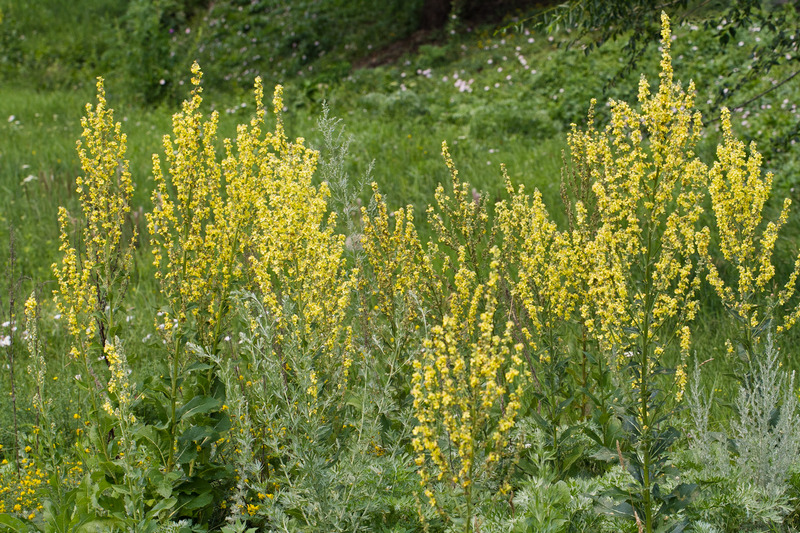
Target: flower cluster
x=466, y=371
x=544, y=284
x=92, y=278
x=184, y=249
x=297, y=259
x=739, y=193
x=118, y=385
x=394, y=256
x=20, y=491
x=640, y=275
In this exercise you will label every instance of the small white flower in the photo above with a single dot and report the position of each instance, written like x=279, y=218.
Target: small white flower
x=11, y=118
x=5, y=341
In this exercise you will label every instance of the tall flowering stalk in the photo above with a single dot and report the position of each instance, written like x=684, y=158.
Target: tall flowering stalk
x=466, y=385
x=181, y=224
x=468, y=379
x=543, y=297
x=298, y=261
x=739, y=192
x=185, y=251
x=394, y=256
x=93, y=276
x=642, y=279
x=45, y=430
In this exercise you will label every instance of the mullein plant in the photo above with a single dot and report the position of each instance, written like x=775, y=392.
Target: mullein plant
x=739, y=191
x=288, y=379
x=44, y=430
x=641, y=272
x=469, y=377
x=94, y=273
x=467, y=384
x=541, y=274
x=218, y=227
x=92, y=280
x=187, y=254
x=297, y=260
x=390, y=277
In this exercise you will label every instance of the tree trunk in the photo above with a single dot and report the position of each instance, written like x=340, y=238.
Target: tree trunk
x=434, y=14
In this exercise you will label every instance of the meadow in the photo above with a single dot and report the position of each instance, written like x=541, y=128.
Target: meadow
x=297, y=278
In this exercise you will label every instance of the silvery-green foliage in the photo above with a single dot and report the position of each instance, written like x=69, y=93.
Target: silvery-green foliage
x=732, y=505
x=333, y=170
x=176, y=527
x=767, y=431
x=708, y=448
x=704, y=527
x=322, y=460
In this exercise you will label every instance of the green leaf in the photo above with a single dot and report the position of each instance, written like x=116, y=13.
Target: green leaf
x=198, y=434
x=664, y=440
x=198, y=501
x=197, y=405
x=198, y=366
x=14, y=524
x=605, y=454
x=100, y=525
x=354, y=401
x=167, y=503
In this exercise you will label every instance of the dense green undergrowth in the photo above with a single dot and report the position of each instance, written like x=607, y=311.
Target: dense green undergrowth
x=266, y=378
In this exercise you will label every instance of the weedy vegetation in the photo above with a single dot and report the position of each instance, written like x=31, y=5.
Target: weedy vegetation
x=271, y=346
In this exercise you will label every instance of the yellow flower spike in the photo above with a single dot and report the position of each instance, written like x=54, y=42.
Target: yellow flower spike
x=395, y=257
x=644, y=194
x=455, y=387
x=640, y=277
x=293, y=248
x=92, y=277
x=739, y=192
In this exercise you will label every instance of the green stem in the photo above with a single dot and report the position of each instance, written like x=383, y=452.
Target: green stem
x=173, y=423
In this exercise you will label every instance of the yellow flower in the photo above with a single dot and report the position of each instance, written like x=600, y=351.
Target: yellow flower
x=90, y=275
x=739, y=191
